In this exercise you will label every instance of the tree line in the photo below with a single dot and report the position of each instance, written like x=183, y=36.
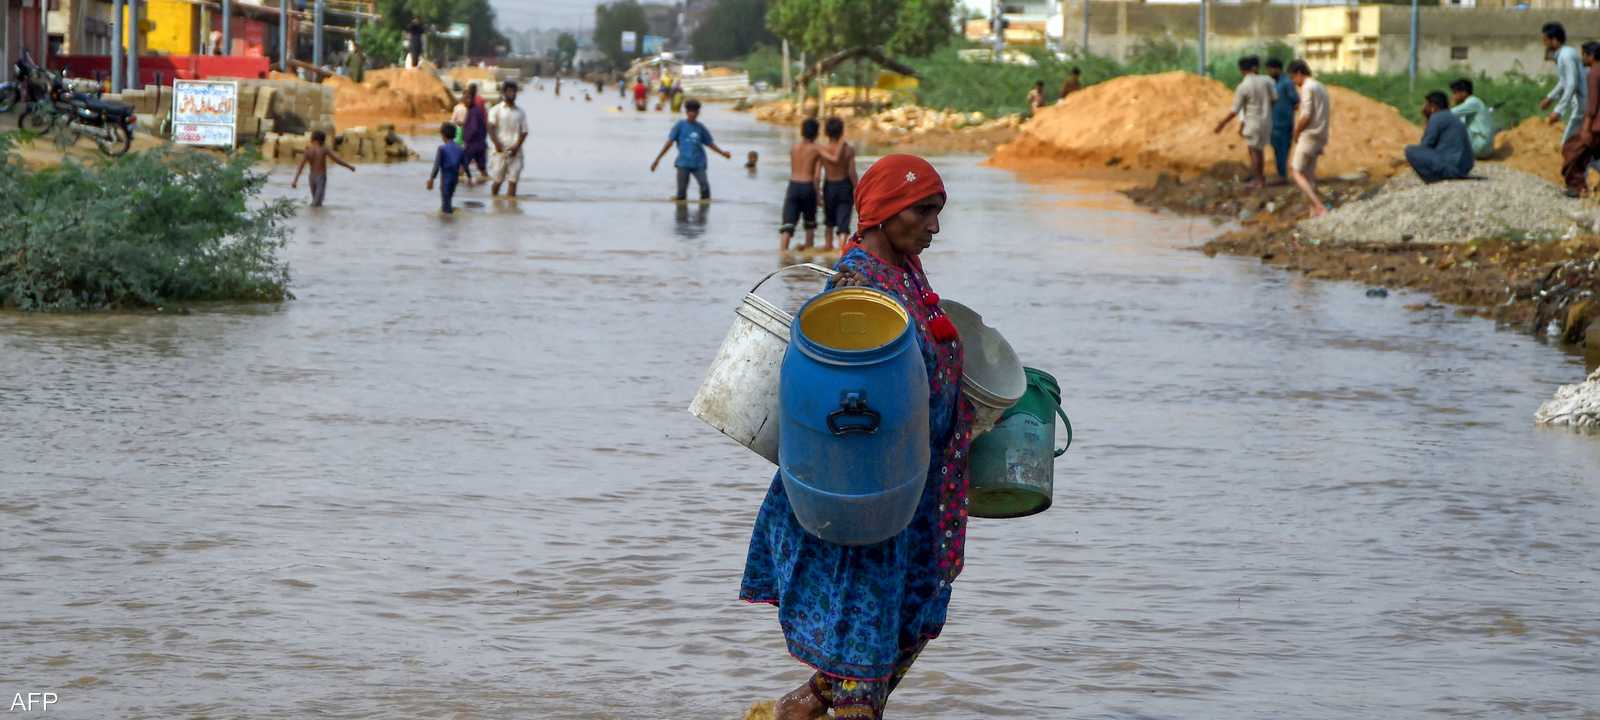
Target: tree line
x=735, y=28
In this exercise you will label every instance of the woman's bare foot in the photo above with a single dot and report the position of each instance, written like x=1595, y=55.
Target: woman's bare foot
x=801, y=704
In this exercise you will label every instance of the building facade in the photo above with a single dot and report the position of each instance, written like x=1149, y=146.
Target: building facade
x=1373, y=39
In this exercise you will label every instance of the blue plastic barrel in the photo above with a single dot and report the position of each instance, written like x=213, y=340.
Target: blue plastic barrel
x=853, y=417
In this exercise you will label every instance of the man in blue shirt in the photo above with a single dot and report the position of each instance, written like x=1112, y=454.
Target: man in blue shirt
x=1283, y=110
x=1445, y=152
x=692, y=139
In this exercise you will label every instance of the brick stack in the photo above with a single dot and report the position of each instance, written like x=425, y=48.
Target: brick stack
x=358, y=144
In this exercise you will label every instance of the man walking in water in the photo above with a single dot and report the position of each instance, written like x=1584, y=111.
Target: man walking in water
x=1310, y=134
x=692, y=139
x=800, y=198
x=508, y=129
x=838, y=193
x=1252, y=103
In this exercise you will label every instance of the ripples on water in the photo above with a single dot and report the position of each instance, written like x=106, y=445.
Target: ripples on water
x=456, y=478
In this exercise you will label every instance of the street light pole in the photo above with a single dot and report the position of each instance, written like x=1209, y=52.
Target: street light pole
x=1414, y=33
x=133, y=45
x=1085, y=28
x=227, y=27
x=283, y=35
x=44, y=33
x=116, y=46
x=316, y=36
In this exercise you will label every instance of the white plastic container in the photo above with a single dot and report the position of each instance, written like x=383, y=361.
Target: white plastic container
x=739, y=396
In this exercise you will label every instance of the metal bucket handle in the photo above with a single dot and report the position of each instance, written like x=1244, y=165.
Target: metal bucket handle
x=1063, y=413
x=813, y=267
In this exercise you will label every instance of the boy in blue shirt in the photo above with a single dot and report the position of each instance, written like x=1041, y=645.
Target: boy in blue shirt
x=692, y=139
x=447, y=160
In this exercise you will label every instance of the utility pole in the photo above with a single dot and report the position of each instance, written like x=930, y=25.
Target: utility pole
x=1414, y=33
x=283, y=35
x=1205, y=27
x=227, y=27
x=1085, y=28
x=116, y=46
x=44, y=32
x=997, y=24
x=133, y=45
x=316, y=36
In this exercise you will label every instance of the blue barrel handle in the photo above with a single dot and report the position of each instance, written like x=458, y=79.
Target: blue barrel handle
x=1063, y=413
x=853, y=403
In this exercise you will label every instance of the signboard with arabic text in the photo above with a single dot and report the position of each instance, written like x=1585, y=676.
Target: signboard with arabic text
x=204, y=112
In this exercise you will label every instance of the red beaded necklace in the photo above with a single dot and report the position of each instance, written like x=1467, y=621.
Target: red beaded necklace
x=939, y=324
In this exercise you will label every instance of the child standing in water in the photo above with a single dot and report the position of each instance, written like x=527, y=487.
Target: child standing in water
x=317, y=156
x=692, y=139
x=800, y=198
x=447, y=160
x=838, y=193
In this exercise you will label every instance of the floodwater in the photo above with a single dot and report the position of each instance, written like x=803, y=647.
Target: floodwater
x=456, y=477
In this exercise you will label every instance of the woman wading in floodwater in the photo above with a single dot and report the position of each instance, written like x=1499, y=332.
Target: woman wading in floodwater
x=859, y=615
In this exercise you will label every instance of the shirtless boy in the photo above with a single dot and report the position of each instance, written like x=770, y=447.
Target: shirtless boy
x=838, y=193
x=800, y=199
x=317, y=156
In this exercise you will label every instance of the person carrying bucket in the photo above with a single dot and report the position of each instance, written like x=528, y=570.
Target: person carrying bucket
x=860, y=614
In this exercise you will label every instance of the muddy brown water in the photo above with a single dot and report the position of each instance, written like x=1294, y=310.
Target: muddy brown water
x=456, y=477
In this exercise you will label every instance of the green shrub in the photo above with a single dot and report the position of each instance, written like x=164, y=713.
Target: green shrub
x=383, y=46
x=765, y=63
x=948, y=82
x=1514, y=96
x=144, y=230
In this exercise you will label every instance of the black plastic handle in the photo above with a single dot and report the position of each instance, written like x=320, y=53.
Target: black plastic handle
x=853, y=404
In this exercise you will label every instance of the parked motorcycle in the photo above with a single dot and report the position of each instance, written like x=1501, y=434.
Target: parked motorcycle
x=28, y=86
x=109, y=124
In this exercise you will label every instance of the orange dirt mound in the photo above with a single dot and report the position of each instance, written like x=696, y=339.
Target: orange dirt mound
x=391, y=95
x=1164, y=123
x=1533, y=147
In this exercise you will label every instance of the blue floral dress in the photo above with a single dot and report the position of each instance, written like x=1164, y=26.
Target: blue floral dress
x=860, y=613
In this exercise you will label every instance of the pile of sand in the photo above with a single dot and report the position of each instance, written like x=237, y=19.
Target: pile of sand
x=1164, y=123
x=1533, y=147
x=471, y=74
x=391, y=95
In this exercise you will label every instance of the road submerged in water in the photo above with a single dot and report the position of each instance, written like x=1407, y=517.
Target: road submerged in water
x=456, y=477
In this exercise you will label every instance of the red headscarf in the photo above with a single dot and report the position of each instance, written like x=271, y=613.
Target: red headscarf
x=892, y=184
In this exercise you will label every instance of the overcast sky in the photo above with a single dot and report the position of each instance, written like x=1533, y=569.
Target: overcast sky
x=524, y=14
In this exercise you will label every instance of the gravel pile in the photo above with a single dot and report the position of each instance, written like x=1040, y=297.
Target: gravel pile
x=1576, y=406
x=1504, y=204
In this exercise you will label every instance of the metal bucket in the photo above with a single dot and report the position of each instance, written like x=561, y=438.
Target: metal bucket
x=992, y=378
x=739, y=396
x=1013, y=466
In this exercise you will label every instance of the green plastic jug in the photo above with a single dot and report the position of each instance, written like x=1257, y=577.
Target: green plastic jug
x=1013, y=465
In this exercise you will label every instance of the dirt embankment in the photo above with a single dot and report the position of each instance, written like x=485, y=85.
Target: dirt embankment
x=392, y=96
x=1535, y=286
x=1533, y=147
x=1165, y=123
x=904, y=129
